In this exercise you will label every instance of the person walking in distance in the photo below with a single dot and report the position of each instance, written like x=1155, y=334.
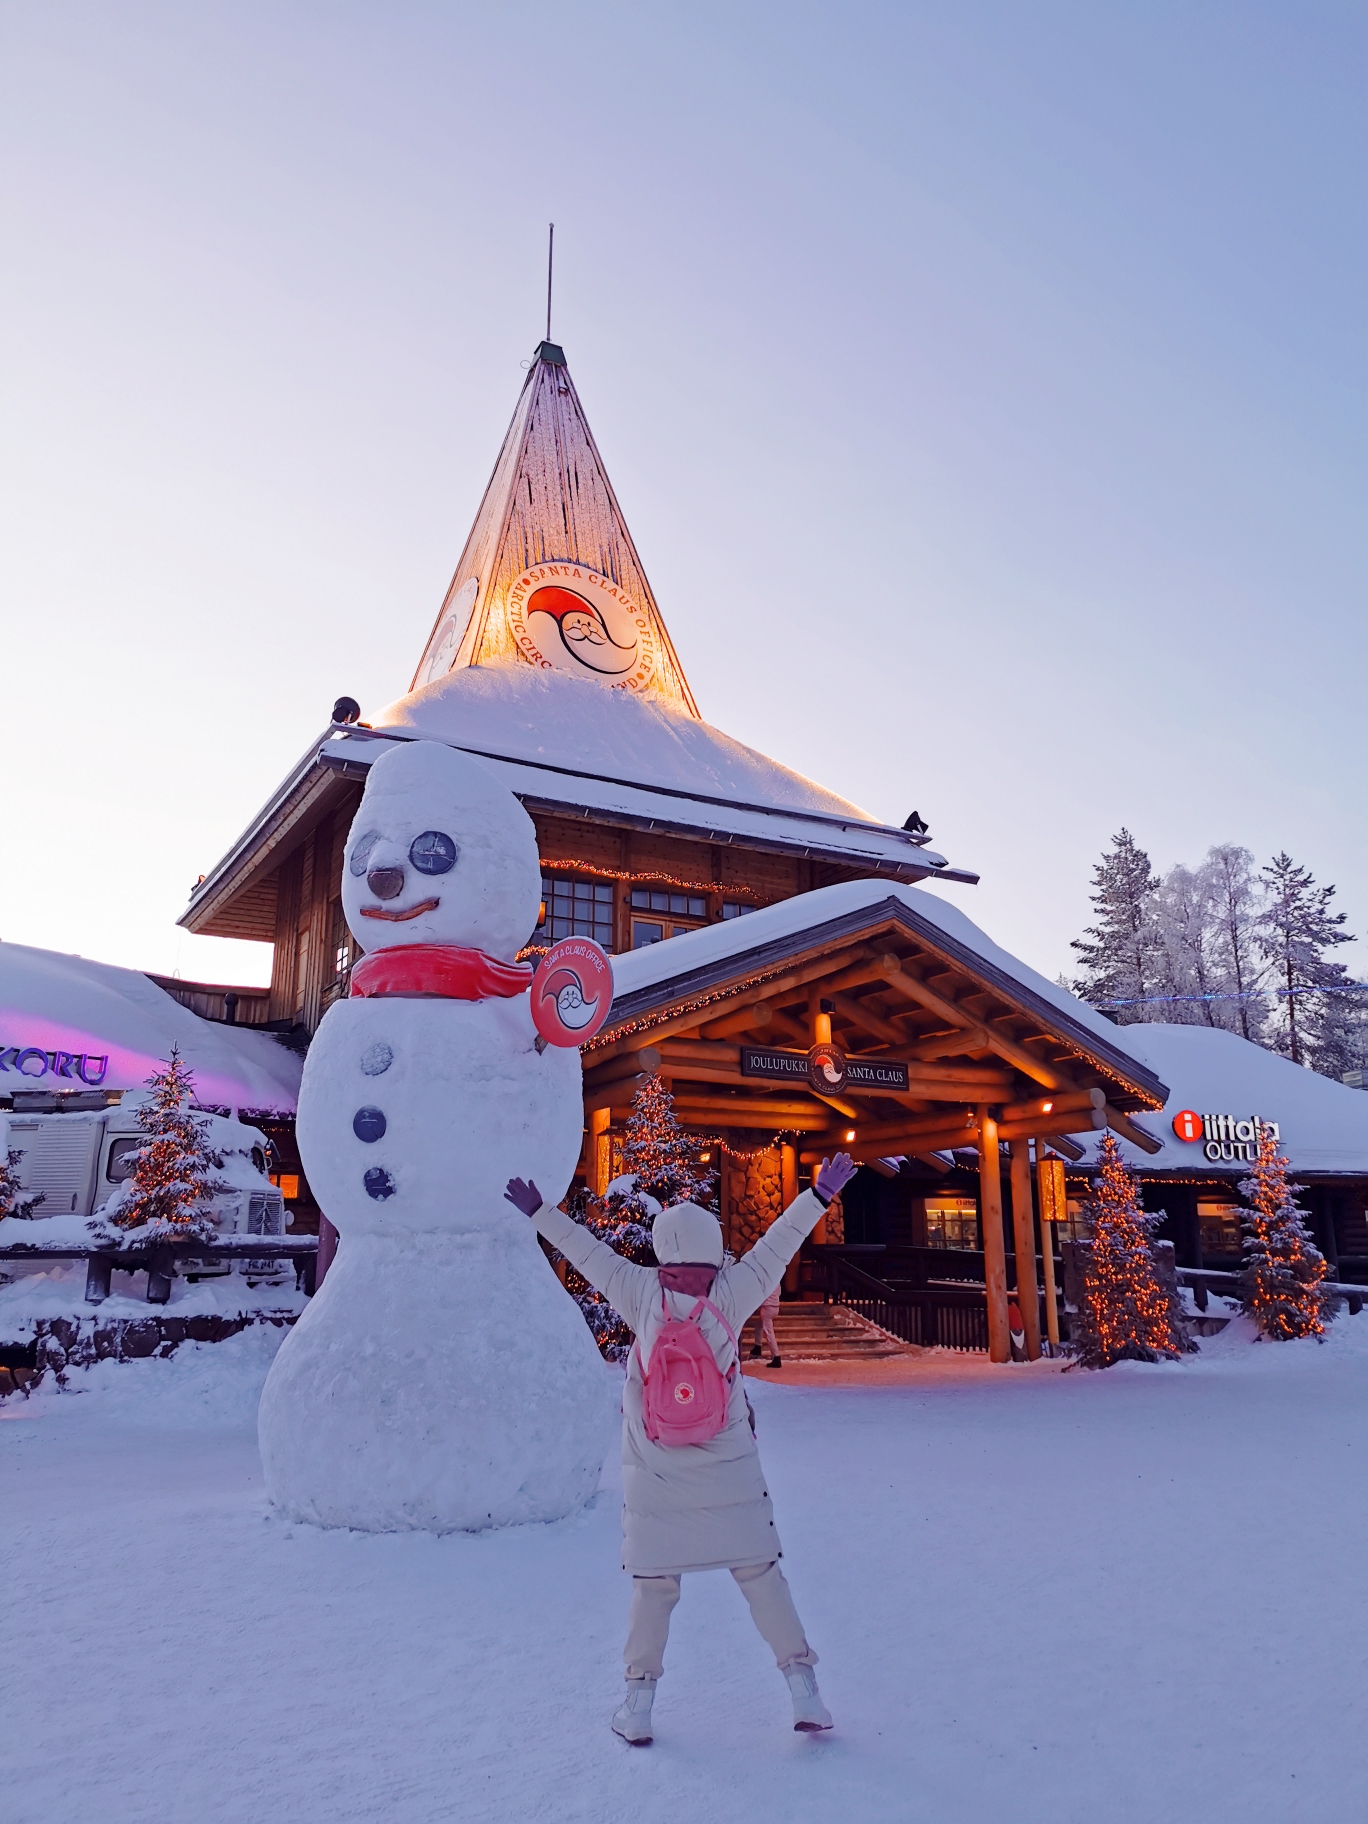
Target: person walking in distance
x=695, y=1497
x=764, y=1331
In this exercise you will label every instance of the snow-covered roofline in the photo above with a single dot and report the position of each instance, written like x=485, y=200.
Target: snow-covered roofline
x=695, y=961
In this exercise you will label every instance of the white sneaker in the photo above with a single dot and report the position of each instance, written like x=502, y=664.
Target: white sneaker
x=809, y=1712
x=632, y=1718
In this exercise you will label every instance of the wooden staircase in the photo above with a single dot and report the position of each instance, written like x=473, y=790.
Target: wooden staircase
x=827, y=1333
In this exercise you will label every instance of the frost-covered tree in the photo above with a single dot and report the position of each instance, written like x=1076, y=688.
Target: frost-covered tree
x=13, y=1202
x=1193, y=978
x=657, y=1151
x=1283, y=1268
x=1234, y=891
x=1296, y=927
x=173, y=1168
x=1125, y=1314
x=1122, y=954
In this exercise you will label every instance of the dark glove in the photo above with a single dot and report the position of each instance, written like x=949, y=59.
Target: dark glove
x=833, y=1175
x=526, y=1197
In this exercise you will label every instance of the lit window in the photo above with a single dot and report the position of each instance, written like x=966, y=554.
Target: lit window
x=575, y=908
x=1219, y=1224
x=952, y=1222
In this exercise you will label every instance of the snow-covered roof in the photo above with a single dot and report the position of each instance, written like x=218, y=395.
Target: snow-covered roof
x=566, y=745
x=1323, y=1125
x=682, y=965
x=64, y=1009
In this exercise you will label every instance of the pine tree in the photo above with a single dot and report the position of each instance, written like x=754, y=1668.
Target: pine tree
x=171, y=1178
x=623, y=1220
x=1284, y=1269
x=656, y=1149
x=1126, y=1314
x=1295, y=928
x=13, y=1202
x=1123, y=963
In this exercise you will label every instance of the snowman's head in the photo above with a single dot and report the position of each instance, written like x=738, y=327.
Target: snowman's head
x=440, y=853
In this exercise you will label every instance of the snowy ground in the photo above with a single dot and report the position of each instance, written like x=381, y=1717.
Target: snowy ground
x=1093, y=1598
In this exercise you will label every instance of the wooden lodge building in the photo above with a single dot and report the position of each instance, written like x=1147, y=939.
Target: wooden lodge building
x=775, y=959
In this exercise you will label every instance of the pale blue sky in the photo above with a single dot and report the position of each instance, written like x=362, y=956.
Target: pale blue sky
x=983, y=384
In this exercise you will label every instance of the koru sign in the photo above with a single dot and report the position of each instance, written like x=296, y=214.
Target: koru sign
x=572, y=991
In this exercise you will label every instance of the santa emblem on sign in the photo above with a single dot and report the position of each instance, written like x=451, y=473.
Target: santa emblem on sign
x=572, y=991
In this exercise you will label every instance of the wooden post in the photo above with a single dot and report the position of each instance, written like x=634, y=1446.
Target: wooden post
x=1053, y=1208
x=1023, y=1234
x=994, y=1242
x=600, y=1119
x=788, y=1174
x=327, y=1250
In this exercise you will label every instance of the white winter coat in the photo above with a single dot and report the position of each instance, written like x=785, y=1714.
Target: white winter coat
x=691, y=1507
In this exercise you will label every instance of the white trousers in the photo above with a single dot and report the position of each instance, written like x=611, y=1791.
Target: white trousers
x=764, y=1587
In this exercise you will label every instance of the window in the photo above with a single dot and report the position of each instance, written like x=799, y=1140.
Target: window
x=732, y=908
x=121, y=1164
x=952, y=1222
x=644, y=932
x=575, y=908
x=1219, y=1225
x=341, y=946
x=682, y=905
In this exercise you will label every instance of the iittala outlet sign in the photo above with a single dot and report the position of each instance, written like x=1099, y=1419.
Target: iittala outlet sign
x=1225, y=1137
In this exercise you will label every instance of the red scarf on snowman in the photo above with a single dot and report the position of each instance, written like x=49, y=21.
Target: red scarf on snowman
x=442, y=971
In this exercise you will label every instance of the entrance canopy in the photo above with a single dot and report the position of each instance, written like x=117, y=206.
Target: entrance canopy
x=869, y=1016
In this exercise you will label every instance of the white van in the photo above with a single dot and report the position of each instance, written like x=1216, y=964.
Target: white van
x=76, y=1157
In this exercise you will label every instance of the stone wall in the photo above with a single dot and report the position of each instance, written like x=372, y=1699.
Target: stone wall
x=75, y=1342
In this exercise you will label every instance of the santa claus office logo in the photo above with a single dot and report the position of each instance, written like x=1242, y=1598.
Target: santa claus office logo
x=567, y=618
x=572, y=991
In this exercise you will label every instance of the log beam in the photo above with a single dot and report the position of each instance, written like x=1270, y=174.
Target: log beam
x=1023, y=1237
x=1129, y=1131
x=892, y=971
x=994, y=1242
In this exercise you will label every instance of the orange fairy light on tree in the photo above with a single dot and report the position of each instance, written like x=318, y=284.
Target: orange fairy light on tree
x=1126, y=1313
x=1284, y=1270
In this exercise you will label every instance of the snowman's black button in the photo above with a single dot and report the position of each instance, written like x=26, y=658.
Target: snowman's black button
x=369, y=1124
x=378, y=1183
x=376, y=1059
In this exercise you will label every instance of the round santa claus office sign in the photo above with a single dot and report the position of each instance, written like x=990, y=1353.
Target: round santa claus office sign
x=572, y=991
x=565, y=617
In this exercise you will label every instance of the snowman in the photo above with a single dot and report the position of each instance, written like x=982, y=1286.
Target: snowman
x=441, y=1378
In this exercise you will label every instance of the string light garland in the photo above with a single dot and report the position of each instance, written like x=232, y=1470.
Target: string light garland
x=624, y=1029
x=653, y=877
x=1125, y=1312
x=1282, y=1283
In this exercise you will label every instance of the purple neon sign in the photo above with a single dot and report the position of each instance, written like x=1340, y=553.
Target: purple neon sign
x=33, y=1061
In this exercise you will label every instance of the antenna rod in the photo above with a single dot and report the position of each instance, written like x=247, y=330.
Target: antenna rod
x=550, y=258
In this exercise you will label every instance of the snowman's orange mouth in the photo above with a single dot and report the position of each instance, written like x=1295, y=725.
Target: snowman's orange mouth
x=396, y=918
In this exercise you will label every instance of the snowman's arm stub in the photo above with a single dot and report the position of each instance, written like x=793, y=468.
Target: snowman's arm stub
x=628, y=1287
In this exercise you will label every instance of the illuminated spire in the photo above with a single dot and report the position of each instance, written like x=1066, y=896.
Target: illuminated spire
x=549, y=575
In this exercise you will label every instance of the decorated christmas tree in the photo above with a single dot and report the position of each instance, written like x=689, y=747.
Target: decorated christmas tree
x=1282, y=1283
x=657, y=1151
x=1125, y=1313
x=13, y=1202
x=172, y=1178
x=622, y=1219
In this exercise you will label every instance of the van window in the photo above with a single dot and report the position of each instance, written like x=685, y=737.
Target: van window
x=121, y=1163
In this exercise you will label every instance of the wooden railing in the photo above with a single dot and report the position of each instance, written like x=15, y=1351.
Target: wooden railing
x=941, y=1316
x=159, y=1263
x=1206, y=1280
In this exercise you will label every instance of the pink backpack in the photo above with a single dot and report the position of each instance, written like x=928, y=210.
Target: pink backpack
x=685, y=1391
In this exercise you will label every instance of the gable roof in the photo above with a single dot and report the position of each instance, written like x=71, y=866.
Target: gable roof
x=550, y=520
x=1322, y=1125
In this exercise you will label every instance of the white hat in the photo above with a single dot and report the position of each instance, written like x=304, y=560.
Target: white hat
x=686, y=1233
